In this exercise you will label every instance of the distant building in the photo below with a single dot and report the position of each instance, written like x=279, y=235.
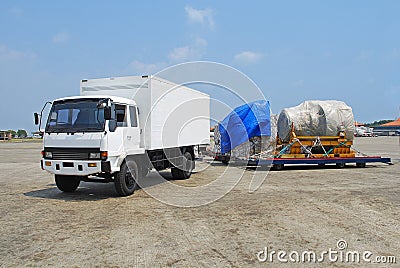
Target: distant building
x=5, y=135
x=388, y=129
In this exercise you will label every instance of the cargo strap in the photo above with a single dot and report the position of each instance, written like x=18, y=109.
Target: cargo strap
x=340, y=144
x=282, y=152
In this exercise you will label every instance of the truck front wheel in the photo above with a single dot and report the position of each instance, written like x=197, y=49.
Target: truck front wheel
x=126, y=180
x=187, y=167
x=67, y=183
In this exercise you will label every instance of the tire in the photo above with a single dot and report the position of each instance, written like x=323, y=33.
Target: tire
x=180, y=174
x=125, y=181
x=278, y=166
x=361, y=165
x=340, y=165
x=67, y=184
x=226, y=158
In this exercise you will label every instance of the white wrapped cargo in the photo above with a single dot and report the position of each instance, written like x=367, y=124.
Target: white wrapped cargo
x=316, y=118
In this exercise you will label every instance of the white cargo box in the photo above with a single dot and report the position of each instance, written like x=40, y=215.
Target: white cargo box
x=170, y=115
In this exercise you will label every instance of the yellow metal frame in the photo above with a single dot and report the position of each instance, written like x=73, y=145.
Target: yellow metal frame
x=342, y=147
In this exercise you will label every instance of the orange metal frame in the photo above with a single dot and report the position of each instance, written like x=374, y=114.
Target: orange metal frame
x=341, y=146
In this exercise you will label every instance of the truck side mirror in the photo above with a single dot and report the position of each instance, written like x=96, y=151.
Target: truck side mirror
x=112, y=125
x=107, y=113
x=36, y=115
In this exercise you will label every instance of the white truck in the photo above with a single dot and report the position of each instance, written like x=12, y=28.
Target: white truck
x=120, y=128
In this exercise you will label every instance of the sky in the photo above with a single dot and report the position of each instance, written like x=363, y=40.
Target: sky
x=293, y=50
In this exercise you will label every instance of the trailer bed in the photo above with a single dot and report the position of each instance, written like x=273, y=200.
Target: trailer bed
x=279, y=162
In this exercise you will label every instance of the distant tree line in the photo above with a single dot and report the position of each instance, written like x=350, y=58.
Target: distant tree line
x=20, y=133
x=377, y=123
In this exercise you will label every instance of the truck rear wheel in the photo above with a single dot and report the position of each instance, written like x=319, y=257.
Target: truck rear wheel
x=67, y=183
x=125, y=181
x=187, y=167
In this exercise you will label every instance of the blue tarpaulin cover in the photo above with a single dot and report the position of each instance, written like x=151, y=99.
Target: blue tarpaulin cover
x=243, y=123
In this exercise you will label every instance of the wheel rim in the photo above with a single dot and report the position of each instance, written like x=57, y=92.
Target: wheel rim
x=130, y=181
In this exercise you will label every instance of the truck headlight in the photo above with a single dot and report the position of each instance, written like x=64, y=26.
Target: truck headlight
x=48, y=155
x=94, y=156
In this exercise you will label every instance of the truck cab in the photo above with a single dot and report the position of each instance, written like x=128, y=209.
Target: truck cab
x=76, y=130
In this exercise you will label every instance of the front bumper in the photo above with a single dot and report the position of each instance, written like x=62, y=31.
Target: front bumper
x=75, y=167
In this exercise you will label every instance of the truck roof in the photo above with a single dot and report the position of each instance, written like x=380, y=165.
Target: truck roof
x=114, y=98
x=127, y=85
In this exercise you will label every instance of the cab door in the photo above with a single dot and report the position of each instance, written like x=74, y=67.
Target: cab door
x=117, y=139
x=132, y=138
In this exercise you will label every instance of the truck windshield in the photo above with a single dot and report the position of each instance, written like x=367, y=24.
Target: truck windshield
x=75, y=116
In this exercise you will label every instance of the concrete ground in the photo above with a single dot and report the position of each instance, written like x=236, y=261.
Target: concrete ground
x=296, y=209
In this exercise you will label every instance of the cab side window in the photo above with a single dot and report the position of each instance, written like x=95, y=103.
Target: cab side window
x=132, y=113
x=120, y=113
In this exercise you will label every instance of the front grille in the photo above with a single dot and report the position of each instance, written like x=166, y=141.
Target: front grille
x=70, y=156
x=72, y=153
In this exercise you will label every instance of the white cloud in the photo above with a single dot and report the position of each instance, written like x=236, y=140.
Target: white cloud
x=61, y=37
x=12, y=54
x=142, y=68
x=327, y=55
x=16, y=12
x=392, y=92
x=194, y=51
x=202, y=16
x=248, y=57
x=297, y=83
x=181, y=54
x=395, y=53
x=200, y=42
x=365, y=55
x=371, y=80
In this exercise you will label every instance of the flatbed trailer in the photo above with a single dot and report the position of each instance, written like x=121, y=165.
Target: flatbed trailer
x=278, y=163
x=309, y=150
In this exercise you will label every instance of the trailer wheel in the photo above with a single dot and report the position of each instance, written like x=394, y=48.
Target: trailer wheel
x=226, y=158
x=67, y=183
x=186, y=172
x=340, y=165
x=278, y=166
x=361, y=165
x=125, y=181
